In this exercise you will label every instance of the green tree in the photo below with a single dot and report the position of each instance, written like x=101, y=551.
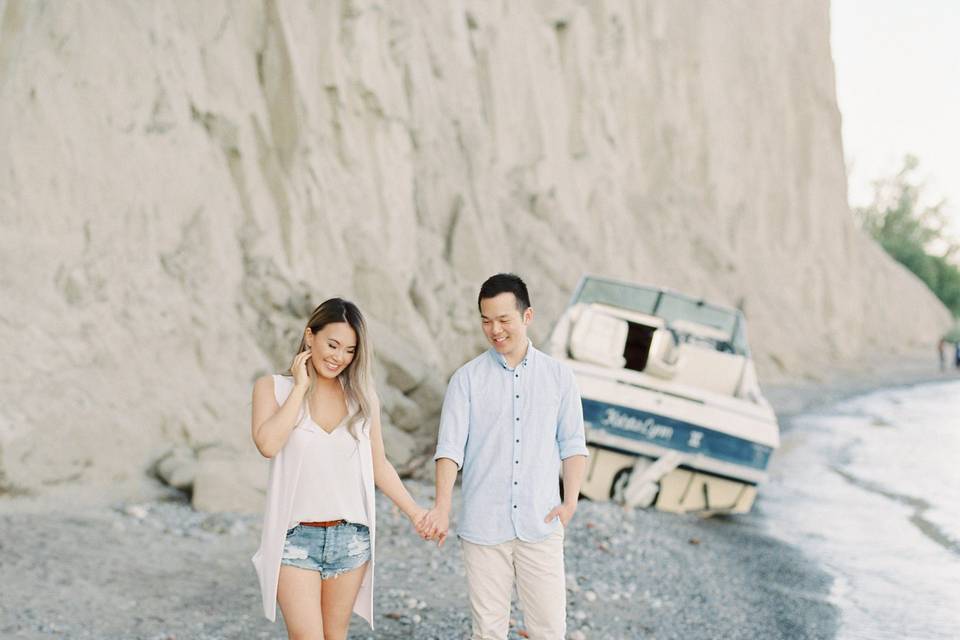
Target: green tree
x=914, y=233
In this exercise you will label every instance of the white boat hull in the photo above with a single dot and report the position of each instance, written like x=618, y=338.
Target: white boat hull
x=721, y=445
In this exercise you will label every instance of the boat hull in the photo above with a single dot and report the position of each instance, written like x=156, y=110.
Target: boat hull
x=722, y=449
x=682, y=490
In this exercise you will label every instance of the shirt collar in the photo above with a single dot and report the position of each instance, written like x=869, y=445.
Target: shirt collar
x=503, y=361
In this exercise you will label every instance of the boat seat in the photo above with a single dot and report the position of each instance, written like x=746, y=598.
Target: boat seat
x=599, y=339
x=664, y=359
x=706, y=368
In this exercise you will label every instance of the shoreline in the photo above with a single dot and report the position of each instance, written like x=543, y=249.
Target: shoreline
x=789, y=398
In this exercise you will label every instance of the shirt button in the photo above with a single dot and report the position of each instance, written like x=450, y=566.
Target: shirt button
x=517, y=375
x=518, y=395
x=518, y=419
x=514, y=506
x=516, y=462
x=518, y=442
x=514, y=482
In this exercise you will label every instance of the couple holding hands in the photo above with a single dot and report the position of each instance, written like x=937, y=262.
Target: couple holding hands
x=511, y=417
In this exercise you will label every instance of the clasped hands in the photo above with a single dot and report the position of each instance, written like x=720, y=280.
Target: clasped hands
x=433, y=525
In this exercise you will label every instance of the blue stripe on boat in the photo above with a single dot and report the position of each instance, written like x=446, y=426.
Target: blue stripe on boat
x=674, y=434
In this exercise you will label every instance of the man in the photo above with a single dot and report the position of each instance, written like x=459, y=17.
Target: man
x=510, y=416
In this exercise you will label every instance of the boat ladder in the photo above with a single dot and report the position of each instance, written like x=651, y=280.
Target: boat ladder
x=642, y=488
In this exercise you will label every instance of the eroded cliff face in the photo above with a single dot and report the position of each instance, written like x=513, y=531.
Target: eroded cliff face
x=182, y=182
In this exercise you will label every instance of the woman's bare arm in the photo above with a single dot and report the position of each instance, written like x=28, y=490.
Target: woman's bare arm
x=385, y=474
x=271, y=424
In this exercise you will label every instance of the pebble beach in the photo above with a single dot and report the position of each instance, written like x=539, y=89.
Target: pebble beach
x=161, y=571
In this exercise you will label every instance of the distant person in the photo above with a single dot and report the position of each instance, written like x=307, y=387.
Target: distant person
x=941, y=347
x=510, y=416
x=319, y=424
x=956, y=355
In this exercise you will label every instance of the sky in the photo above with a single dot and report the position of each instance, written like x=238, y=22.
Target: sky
x=898, y=87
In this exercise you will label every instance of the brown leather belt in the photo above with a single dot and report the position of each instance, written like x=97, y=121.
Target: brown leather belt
x=326, y=523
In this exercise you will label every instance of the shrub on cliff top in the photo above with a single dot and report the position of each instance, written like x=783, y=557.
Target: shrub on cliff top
x=914, y=233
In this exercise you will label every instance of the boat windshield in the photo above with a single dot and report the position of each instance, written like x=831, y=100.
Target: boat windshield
x=617, y=294
x=668, y=305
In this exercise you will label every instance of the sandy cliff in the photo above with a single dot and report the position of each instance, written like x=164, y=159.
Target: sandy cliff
x=180, y=183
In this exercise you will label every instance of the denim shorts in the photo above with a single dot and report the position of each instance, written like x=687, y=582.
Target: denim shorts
x=329, y=550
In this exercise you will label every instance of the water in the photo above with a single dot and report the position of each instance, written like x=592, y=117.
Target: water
x=870, y=488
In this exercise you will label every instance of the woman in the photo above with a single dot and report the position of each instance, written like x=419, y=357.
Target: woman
x=320, y=426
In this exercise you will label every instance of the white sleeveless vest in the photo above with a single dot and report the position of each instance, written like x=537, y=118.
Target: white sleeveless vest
x=284, y=475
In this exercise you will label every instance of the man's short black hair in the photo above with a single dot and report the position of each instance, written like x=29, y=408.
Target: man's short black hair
x=505, y=283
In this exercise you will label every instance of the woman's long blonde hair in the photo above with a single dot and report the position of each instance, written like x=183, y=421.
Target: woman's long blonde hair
x=357, y=378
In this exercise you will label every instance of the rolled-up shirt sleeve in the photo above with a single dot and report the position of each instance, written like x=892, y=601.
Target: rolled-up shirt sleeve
x=454, y=420
x=570, y=435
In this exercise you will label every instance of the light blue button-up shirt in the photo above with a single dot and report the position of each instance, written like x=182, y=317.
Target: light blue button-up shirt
x=508, y=429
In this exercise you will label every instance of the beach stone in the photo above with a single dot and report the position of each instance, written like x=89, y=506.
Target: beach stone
x=229, y=482
x=398, y=445
x=178, y=467
x=137, y=511
x=404, y=412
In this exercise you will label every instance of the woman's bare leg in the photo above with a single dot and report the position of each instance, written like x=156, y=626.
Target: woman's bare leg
x=339, y=595
x=299, y=595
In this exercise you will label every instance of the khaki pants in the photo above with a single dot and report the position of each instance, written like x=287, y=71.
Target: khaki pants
x=541, y=587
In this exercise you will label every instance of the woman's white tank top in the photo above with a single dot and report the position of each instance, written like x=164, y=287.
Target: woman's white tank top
x=330, y=486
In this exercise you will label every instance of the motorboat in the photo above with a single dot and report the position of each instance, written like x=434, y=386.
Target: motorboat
x=674, y=414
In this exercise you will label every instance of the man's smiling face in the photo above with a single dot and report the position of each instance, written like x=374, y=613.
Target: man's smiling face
x=504, y=325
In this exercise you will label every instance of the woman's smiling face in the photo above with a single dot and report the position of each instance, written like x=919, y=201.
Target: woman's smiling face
x=332, y=348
